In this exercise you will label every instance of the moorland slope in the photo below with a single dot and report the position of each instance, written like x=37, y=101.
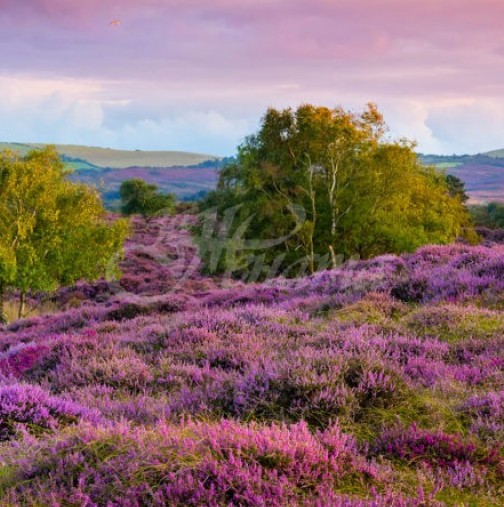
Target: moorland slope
x=380, y=383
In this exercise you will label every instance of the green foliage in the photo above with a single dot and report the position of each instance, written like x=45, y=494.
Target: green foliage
x=140, y=197
x=489, y=215
x=456, y=497
x=456, y=187
x=324, y=184
x=453, y=323
x=52, y=231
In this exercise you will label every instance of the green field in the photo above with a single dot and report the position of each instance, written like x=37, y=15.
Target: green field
x=448, y=165
x=496, y=153
x=85, y=157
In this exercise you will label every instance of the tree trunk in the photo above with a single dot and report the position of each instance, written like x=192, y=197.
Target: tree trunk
x=334, y=260
x=310, y=192
x=332, y=190
x=3, y=318
x=314, y=223
x=22, y=304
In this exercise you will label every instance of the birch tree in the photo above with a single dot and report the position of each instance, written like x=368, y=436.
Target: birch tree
x=363, y=194
x=52, y=231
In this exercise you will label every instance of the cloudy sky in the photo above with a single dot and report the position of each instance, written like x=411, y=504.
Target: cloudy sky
x=197, y=75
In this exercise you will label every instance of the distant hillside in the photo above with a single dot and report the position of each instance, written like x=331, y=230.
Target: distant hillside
x=118, y=159
x=187, y=183
x=495, y=153
x=190, y=175
x=483, y=174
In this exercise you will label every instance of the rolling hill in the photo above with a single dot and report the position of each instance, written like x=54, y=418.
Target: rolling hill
x=185, y=174
x=376, y=384
x=483, y=174
x=118, y=159
x=496, y=153
x=190, y=175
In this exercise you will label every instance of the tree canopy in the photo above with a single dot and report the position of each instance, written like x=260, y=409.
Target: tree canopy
x=138, y=196
x=52, y=232
x=456, y=187
x=332, y=185
x=489, y=215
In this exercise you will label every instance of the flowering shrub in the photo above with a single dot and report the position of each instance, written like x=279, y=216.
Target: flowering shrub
x=465, y=464
x=378, y=383
x=29, y=408
x=486, y=413
x=198, y=464
x=453, y=273
x=435, y=448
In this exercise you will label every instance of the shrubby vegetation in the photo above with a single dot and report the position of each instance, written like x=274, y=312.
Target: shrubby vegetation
x=52, y=232
x=489, y=215
x=319, y=184
x=456, y=187
x=140, y=197
x=379, y=383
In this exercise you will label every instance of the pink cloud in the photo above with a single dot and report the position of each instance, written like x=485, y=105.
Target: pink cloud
x=248, y=54
x=260, y=34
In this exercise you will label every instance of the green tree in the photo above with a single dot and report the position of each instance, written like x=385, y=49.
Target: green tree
x=361, y=193
x=488, y=215
x=143, y=198
x=52, y=232
x=456, y=187
x=496, y=214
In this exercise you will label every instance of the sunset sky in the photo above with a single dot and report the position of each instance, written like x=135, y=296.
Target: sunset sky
x=197, y=75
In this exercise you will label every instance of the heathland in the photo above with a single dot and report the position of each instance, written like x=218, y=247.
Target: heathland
x=323, y=328
x=378, y=383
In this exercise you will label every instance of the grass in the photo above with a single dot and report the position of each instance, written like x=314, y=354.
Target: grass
x=455, y=497
x=453, y=323
x=427, y=410
x=81, y=165
x=448, y=165
x=32, y=310
x=371, y=310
